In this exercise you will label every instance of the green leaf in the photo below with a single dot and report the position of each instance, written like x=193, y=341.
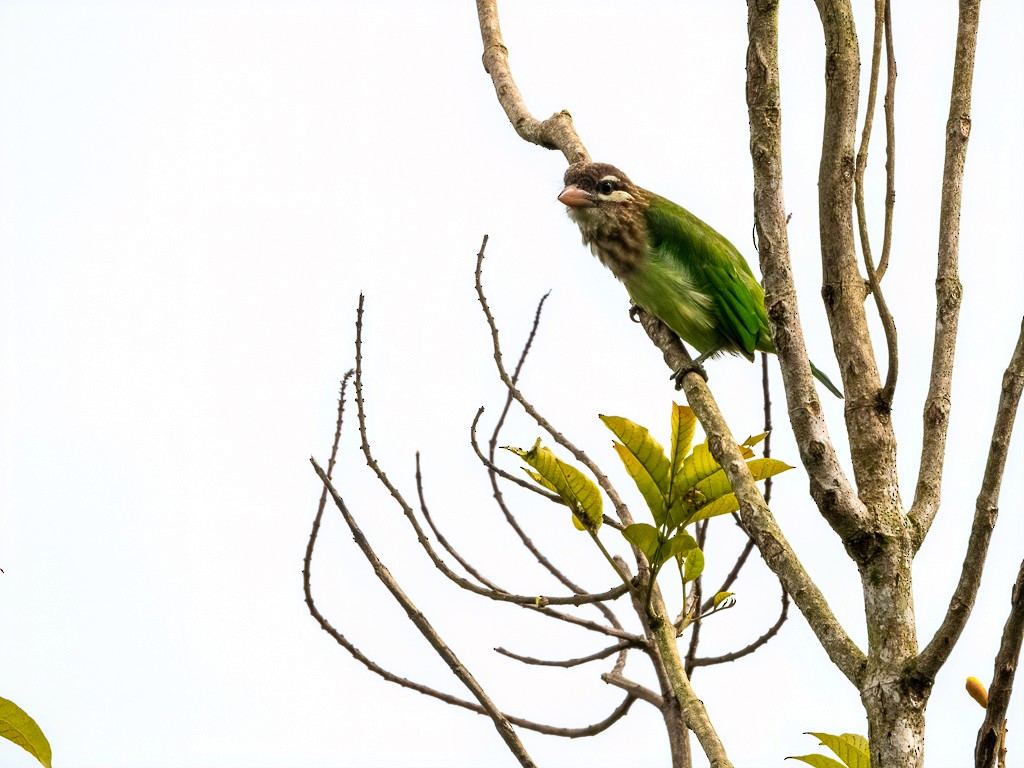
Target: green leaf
x=723, y=505
x=645, y=461
x=644, y=482
x=817, y=761
x=721, y=597
x=16, y=726
x=851, y=748
x=696, y=467
x=717, y=485
x=680, y=546
x=694, y=566
x=645, y=537
x=684, y=424
x=576, y=489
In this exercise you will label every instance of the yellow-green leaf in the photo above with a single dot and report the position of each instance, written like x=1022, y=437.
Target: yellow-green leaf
x=645, y=537
x=648, y=451
x=16, y=726
x=694, y=566
x=684, y=424
x=644, y=482
x=576, y=489
x=540, y=480
x=723, y=505
x=717, y=484
x=680, y=546
x=721, y=597
x=817, y=761
x=763, y=468
x=754, y=440
x=851, y=748
x=696, y=467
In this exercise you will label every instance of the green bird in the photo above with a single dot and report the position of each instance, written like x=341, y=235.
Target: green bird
x=673, y=265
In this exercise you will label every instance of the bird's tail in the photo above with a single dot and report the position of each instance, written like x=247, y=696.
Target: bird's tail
x=826, y=381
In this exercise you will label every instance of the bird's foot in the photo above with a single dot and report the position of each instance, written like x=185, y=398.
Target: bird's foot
x=634, y=312
x=694, y=366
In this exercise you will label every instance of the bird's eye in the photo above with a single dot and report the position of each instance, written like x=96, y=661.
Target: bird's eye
x=605, y=188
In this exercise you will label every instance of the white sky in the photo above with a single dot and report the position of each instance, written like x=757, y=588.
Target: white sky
x=192, y=196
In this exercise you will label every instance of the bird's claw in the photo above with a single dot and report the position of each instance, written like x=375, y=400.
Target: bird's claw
x=687, y=368
x=634, y=312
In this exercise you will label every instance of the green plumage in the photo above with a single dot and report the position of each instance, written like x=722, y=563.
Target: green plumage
x=673, y=265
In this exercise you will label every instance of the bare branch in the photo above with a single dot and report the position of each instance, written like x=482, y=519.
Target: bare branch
x=888, y=324
x=567, y=663
x=707, y=661
x=890, y=144
x=501, y=723
x=986, y=511
x=557, y=132
x=620, y=507
x=992, y=731
x=948, y=289
x=830, y=488
x=493, y=592
x=634, y=689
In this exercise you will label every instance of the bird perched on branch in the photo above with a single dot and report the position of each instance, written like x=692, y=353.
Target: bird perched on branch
x=673, y=265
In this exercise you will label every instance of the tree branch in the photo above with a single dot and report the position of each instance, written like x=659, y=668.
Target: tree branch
x=993, y=730
x=986, y=511
x=557, y=132
x=868, y=421
x=948, y=289
x=501, y=723
x=830, y=488
x=888, y=324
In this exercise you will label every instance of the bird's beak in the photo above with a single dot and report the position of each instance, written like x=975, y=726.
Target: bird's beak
x=574, y=197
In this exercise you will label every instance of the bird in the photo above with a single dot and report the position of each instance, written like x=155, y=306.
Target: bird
x=673, y=265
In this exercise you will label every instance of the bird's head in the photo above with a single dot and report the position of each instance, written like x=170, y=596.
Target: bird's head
x=609, y=210
x=597, y=192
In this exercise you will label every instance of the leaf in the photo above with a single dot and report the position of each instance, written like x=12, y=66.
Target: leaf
x=723, y=505
x=694, y=566
x=717, y=485
x=721, y=597
x=645, y=461
x=576, y=489
x=679, y=546
x=684, y=424
x=818, y=761
x=645, y=537
x=644, y=482
x=851, y=748
x=696, y=467
x=753, y=440
x=17, y=727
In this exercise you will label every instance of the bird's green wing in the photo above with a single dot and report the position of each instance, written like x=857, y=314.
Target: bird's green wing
x=693, y=245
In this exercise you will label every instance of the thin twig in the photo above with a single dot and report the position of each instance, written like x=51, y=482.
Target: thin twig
x=634, y=689
x=706, y=661
x=620, y=507
x=890, y=144
x=501, y=723
x=888, y=324
x=492, y=592
x=567, y=663
x=494, y=471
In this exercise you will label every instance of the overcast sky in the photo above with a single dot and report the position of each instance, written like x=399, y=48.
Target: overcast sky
x=192, y=196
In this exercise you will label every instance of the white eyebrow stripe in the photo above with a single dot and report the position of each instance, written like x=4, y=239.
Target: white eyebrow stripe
x=610, y=177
